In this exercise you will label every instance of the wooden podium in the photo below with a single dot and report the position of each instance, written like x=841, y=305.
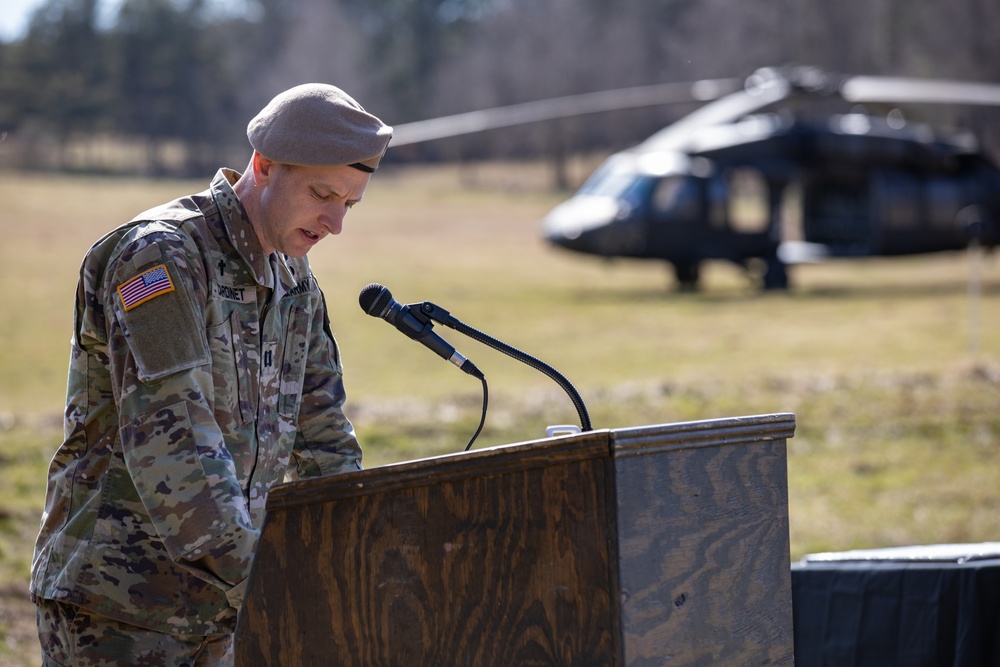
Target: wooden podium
x=641, y=546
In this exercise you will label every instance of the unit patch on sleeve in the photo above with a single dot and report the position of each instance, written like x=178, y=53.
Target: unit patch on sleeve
x=145, y=286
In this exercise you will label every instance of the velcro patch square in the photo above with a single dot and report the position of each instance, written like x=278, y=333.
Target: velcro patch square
x=145, y=286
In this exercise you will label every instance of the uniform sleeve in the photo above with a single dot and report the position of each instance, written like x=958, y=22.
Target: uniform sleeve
x=325, y=443
x=172, y=443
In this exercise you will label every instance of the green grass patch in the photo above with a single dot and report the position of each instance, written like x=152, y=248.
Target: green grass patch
x=24, y=458
x=25, y=451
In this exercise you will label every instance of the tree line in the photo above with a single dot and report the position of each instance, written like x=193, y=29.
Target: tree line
x=167, y=86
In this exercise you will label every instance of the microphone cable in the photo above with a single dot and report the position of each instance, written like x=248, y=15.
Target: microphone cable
x=482, y=420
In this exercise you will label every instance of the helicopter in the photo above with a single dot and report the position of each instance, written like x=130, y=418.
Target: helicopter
x=746, y=179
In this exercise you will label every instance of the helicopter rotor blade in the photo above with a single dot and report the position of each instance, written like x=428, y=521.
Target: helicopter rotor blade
x=897, y=89
x=757, y=94
x=727, y=99
x=560, y=107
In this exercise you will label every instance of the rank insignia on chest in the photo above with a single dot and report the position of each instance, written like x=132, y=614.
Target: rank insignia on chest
x=145, y=286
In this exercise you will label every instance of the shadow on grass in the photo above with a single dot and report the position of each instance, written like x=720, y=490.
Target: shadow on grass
x=652, y=295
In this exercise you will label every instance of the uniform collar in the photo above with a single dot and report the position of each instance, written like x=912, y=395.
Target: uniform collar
x=285, y=279
x=272, y=270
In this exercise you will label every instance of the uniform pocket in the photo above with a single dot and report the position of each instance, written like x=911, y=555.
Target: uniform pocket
x=230, y=372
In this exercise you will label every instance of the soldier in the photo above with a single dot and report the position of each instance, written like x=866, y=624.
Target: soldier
x=203, y=370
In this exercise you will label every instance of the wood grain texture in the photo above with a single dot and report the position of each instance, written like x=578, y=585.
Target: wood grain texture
x=499, y=568
x=703, y=547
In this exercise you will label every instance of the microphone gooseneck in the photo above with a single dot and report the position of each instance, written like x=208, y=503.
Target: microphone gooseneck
x=524, y=358
x=414, y=320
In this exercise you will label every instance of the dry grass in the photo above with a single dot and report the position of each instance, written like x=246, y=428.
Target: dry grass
x=895, y=391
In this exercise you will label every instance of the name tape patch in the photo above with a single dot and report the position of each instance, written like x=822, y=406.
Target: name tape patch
x=145, y=286
x=237, y=294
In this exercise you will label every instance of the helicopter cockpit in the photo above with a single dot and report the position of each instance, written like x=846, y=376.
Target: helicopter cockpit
x=608, y=213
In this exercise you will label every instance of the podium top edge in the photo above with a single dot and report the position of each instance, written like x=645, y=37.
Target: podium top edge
x=761, y=427
x=704, y=433
x=436, y=469
x=602, y=443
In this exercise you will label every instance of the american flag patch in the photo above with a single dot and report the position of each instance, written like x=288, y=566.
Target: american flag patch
x=145, y=286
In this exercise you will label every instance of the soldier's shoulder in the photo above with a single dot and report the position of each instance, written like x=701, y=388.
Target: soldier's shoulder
x=166, y=226
x=172, y=213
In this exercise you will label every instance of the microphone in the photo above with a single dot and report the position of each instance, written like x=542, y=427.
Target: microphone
x=377, y=301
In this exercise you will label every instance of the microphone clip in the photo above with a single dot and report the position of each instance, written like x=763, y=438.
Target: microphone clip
x=410, y=319
x=429, y=311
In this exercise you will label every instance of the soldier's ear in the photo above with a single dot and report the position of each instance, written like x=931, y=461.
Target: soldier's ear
x=261, y=167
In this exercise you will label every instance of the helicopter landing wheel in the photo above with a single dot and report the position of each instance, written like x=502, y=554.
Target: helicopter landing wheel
x=687, y=274
x=775, y=274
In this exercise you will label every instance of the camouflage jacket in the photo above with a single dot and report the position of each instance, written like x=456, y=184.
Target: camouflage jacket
x=201, y=373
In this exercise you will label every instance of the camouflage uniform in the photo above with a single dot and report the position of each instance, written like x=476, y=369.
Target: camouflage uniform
x=202, y=371
x=74, y=636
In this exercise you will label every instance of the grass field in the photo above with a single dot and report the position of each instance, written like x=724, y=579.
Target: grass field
x=892, y=369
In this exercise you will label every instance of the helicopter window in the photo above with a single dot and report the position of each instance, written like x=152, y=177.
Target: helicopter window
x=791, y=212
x=836, y=211
x=676, y=198
x=944, y=199
x=718, y=198
x=616, y=185
x=748, y=207
x=896, y=199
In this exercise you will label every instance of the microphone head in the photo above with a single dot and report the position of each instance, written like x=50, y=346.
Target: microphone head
x=374, y=299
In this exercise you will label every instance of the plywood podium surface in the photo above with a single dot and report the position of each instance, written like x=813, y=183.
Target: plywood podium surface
x=651, y=545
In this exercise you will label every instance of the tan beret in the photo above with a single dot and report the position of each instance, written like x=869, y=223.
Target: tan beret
x=319, y=125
